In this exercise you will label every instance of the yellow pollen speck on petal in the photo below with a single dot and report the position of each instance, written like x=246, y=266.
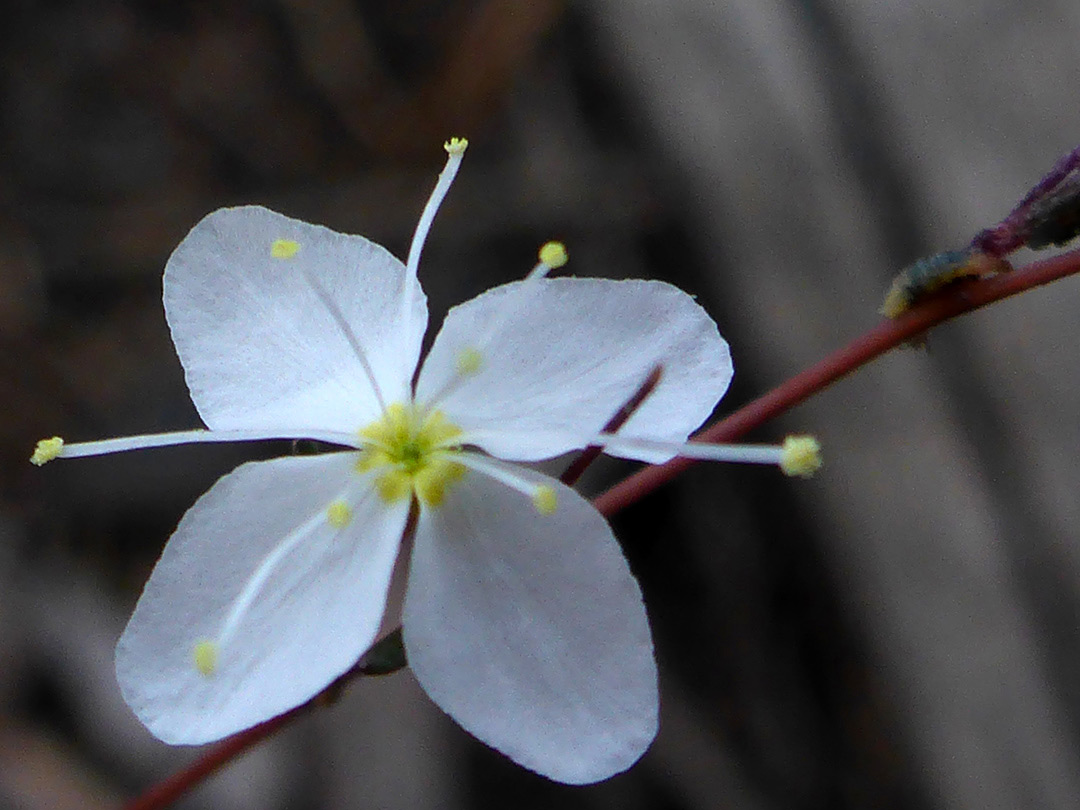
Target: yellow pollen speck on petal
x=338, y=514
x=801, y=456
x=47, y=450
x=284, y=248
x=553, y=254
x=545, y=500
x=455, y=146
x=205, y=655
x=469, y=361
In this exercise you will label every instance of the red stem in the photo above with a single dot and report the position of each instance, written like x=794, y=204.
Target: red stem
x=950, y=302
x=165, y=793
x=168, y=791
x=577, y=469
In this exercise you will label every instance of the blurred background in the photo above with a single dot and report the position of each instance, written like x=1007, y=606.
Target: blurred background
x=900, y=633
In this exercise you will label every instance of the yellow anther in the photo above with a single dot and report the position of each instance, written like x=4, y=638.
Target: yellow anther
x=553, y=254
x=545, y=500
x=430, y=483
x=205, y=655
x=338, y=514
x=47, y=450
x=438, y=432
x=456, y=146
x=469, y=361
x=372, y=458
x=284, y=248
x=394, y=485
x=392, y=429
x=801, y=456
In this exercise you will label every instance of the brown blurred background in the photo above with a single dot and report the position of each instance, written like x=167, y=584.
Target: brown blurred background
x=901, y=633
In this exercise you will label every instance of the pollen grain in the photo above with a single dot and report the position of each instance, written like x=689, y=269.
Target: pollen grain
x=47, y=450
x=801, y=456
x=205, y=655
x=339, y=514
x=284, y=248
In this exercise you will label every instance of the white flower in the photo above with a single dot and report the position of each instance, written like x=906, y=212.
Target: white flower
x=521, y=617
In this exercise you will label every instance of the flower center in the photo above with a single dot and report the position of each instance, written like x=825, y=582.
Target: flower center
x=414, y=452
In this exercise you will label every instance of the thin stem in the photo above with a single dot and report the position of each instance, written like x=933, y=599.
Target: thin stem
x=577, y=468
x=169, y=790
x=953, y=301
x=165, y=793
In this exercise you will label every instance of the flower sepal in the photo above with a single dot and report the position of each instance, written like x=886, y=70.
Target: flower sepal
x=385, y=657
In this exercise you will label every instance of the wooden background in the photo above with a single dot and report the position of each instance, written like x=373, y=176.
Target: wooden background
x=902, y=632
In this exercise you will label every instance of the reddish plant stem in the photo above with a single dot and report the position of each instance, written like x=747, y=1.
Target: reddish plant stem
x=165, y=793
x=950, y=302
x=576, y=469
x=169, y=790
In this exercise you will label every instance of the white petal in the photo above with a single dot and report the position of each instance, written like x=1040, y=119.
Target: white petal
x=316, y=613
x=529, y=630
x=259, y=345
x=573, y=354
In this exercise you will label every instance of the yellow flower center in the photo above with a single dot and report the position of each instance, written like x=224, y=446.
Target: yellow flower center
x=413, y=452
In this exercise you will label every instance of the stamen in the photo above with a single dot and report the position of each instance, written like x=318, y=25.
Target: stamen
x=394, y=485
x=799, y=455
x=553, y=254
x=455, y=150
x=543, y=496
x=430, y=483
x=55, y=447
x=47, y=450
x=745, y=453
